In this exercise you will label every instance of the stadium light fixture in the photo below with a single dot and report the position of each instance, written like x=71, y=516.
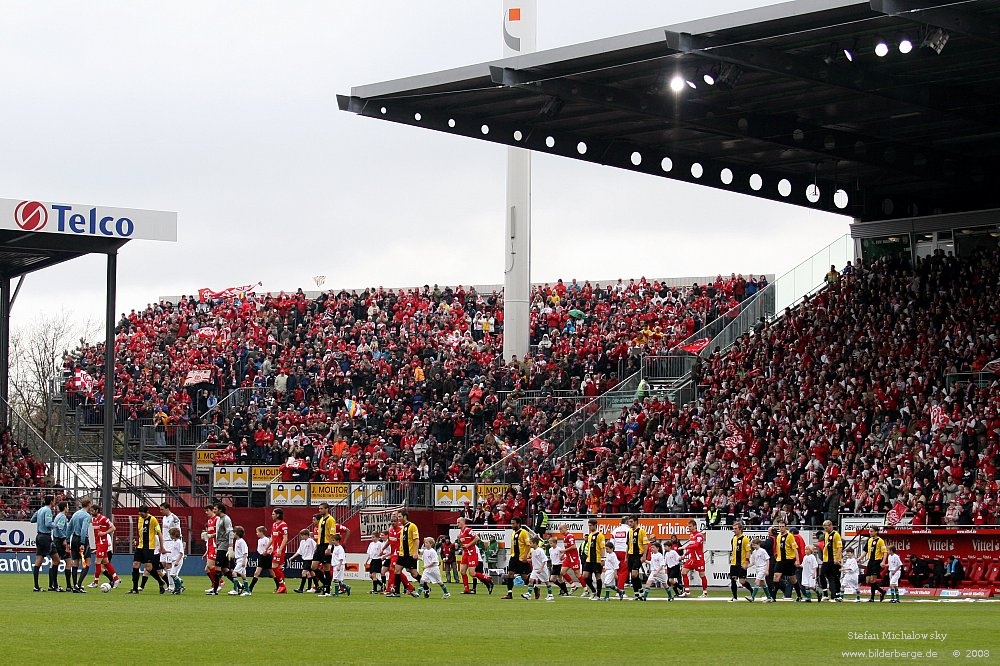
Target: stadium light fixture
x=905, y=45
x=935, y=40
x=849, y=51
x=729, y=76
x=881, y=47
x=709, y=76
x=677, y=83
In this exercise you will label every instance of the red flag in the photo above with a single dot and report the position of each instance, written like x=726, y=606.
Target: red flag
x=696, y=346
x=895, y=514
x=993, y=366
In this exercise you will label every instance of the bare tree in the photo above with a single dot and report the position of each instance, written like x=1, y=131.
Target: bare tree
x=37, y=350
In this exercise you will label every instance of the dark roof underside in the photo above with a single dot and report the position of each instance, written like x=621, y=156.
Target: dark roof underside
x=24, y=252
x=879, y=138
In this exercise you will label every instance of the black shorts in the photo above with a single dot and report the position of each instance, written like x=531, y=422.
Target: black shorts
x=77, y=549
x=43, y=545
x=145, y=556
x=873, y=569
x=59, y=547
x=221, y=559
x=737, y=572
x=595, y=568
x=480, y=567
x=786, y=567
x=322, y=556
x=516, y=567
x=264, y=561
x=375, y=567
x=674, y=573
x=407, y=562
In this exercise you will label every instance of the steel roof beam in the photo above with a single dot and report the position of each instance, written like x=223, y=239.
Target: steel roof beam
x=828, y=144
x=942, y=99
x=617, y=153
x=971, y=24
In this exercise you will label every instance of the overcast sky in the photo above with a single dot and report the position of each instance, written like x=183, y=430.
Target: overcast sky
x=226, y=113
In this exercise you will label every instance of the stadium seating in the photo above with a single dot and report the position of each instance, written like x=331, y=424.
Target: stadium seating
x=423, y=364
x=19, y=473
x=842, y=404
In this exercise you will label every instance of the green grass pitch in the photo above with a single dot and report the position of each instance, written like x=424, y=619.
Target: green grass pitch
x=192, y=628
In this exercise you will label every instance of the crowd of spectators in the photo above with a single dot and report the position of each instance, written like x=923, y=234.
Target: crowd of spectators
x=20, y=472
x=424, y=365
x=850, y=402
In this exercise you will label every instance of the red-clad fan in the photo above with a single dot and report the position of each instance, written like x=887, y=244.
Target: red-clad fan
x=276, y=549
x=694, y=562
x=470, y=557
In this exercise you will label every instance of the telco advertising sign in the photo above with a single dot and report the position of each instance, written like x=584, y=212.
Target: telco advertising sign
x=87, y=220
x=17, y=535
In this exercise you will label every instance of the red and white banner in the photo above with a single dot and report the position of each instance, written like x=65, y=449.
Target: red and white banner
x=206, y=294
x=377, y=520
x=207, y=333
x=697, y=346
x=939, y=419
x=895, y=514
x=198, y=377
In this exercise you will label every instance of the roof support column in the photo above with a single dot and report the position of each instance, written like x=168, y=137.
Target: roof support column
x=4, y=349
x=519, y=36
x=107, y=466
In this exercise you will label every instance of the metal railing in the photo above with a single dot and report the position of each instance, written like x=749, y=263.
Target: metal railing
x=21, y=502
x=566, y=428
x=805, y=279
x=980, y=379
x=70, y=474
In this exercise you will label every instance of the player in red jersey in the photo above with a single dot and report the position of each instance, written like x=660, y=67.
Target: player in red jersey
x=392, y=539
x=571, y=558
x=103, y=531
x=470, y=557
x=276, y=549
x=209, y=537
x=694, y=550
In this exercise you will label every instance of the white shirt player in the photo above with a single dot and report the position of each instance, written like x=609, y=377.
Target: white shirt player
x=338, y=562
x=307, y=549
x=619, y=536
x=539, y=570
x=611, y=563
x=849, y=575
x=556, y=556
x=658, y=568
x=240, y=553
x=168, y=522
x=432, y=566
x=809, y=566
x=375, y=550
x=759, y=562
x=672, y=559
x=386, y=553
x=262, y=544
x=895, y=569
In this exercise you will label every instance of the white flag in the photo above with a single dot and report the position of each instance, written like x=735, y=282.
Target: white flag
x=320, y=280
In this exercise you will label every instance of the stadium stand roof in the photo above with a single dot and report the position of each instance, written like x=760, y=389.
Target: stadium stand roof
x=25, y=252
x=802, y=109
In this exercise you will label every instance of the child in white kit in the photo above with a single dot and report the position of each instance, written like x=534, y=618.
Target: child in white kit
x=555, y=560
x=432, y=569
x=759, y=561
x=809, y=567
x=657, y=573
x=175, y=559
x=263, y=560
x=539, y=571
x=610, y=570
x=338, y=563
x=849, y=575
x=305, y=553
x=895, y=572
x=672, y=556
x=241, y=552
